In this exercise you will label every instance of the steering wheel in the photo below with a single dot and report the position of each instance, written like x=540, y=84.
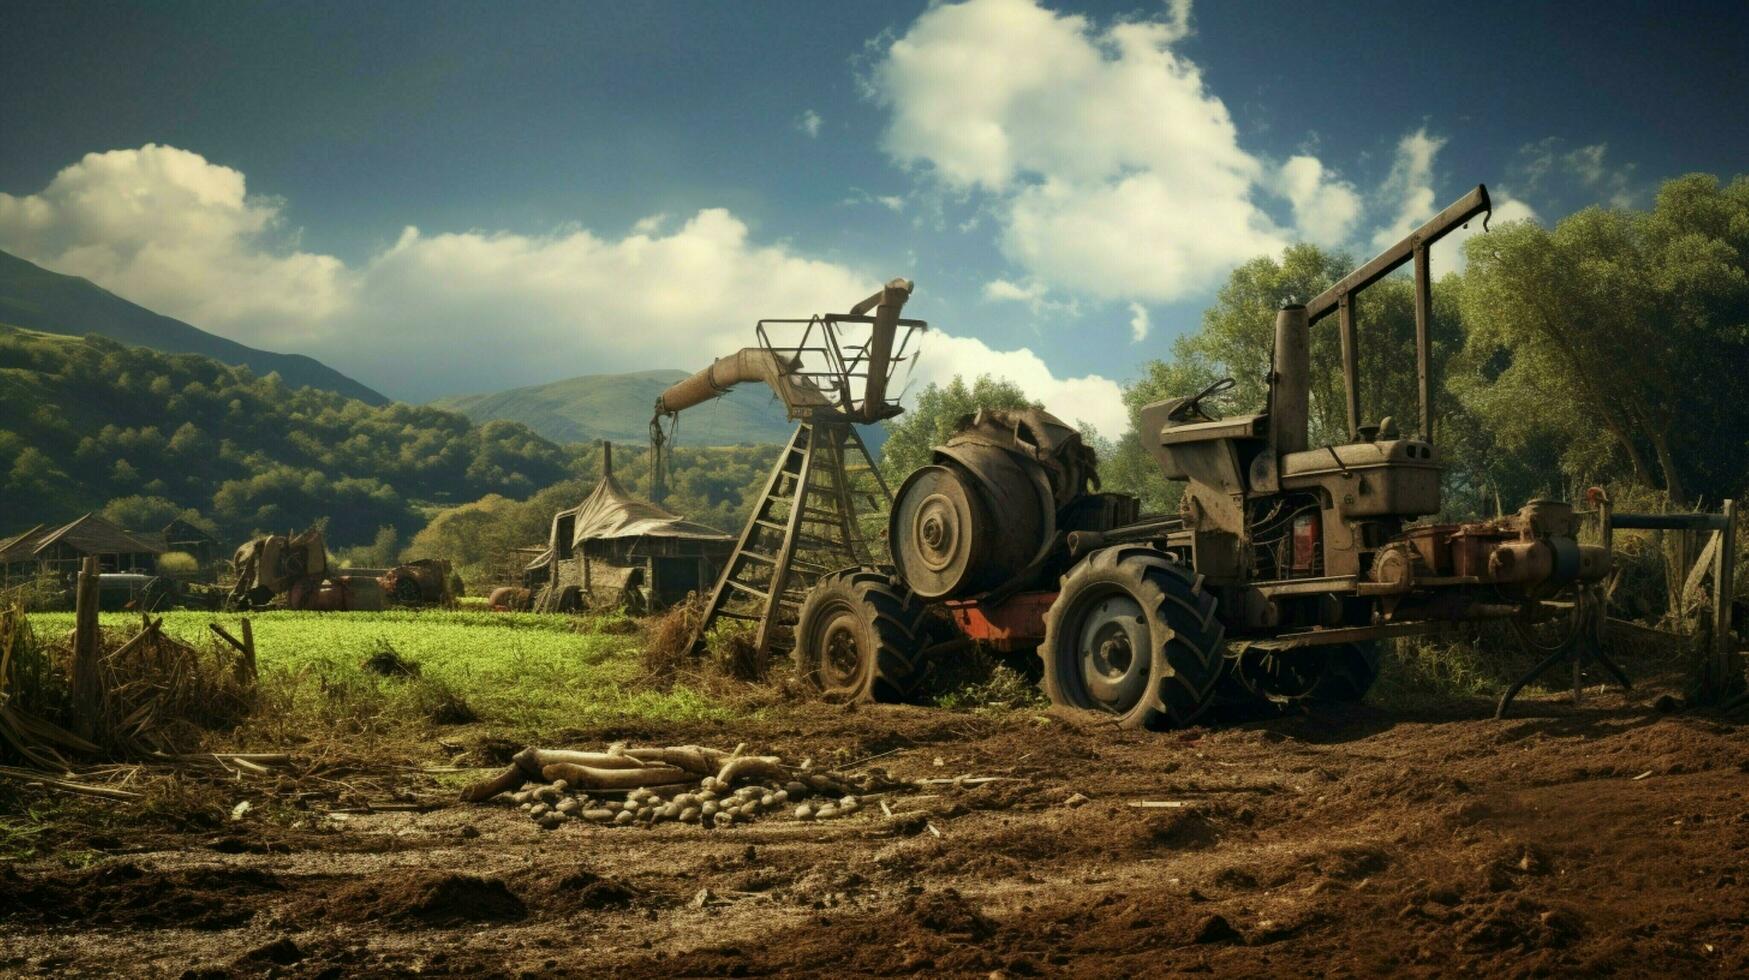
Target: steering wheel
x=1191, y=409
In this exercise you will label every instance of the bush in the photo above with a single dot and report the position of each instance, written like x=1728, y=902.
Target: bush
x=178, y=564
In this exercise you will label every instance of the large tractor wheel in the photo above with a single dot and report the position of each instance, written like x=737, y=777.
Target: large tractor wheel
x=860, y=637
x=1132, y=633
x=1339, y=672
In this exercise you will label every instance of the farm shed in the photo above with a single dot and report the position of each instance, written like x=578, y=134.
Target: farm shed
x=615, y=544
x=180, y=535
x=60, y=550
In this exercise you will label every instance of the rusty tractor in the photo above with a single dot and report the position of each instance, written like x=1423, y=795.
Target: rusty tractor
x=1284, y=568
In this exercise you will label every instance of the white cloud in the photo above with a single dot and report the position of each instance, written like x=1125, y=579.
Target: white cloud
x=1113, y=170
x=1139, y=322
x=809, y=123
x=441, y=313
x=1325, y=209
x=1544, y=167
x=1033, y=293
x=1408, y=190
x=1090, y=398
x=162, y=226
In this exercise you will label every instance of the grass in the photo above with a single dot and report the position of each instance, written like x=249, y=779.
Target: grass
x=522, y=674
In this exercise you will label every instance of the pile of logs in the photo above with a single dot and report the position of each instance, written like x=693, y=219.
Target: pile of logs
x=687, y=784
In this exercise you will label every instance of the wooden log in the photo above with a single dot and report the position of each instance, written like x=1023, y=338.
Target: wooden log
x=587, y=778
x=752, y=767
x=534, y=760
x=504, y=782
x=87, y=686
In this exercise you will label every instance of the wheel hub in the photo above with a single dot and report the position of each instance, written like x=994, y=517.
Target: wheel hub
x=841, y=660
x=1113, y=653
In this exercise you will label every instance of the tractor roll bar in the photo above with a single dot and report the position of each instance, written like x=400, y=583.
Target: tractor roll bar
x=1340, y=299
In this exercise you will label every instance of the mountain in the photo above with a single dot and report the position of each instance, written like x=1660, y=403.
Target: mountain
x=37, y=299
x=87, y=423
x=617, y=407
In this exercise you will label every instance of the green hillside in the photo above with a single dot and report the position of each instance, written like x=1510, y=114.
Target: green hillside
x=37, y=299
x=617, y=407
x=86, y=422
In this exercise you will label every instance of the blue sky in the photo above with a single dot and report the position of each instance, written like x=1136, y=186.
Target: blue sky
x=617, y=186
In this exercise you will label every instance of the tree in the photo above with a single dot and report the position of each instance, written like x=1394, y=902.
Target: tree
x=1561, y=324
x=939, y=413
x=138, y=513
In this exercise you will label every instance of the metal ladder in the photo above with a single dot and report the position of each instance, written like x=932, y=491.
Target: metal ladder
x=806, y=524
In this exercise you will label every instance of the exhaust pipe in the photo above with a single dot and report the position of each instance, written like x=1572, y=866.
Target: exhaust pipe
x=1290, y=381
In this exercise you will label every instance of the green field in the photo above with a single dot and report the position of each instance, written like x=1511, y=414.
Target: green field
x=521, y=674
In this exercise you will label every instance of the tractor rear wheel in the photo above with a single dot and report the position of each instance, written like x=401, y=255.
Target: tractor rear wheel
x=1133, y=633
x=1339, y=672
x=860, y=637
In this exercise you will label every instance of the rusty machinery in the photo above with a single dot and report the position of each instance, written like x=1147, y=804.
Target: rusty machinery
x=811, y=517
x=1284, y=567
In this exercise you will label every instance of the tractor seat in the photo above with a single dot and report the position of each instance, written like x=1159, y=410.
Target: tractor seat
x=1232, y=427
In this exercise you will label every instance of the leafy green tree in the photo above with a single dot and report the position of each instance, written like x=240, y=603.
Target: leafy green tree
x=141, y=513
x=938, y=413
x=1618, y=341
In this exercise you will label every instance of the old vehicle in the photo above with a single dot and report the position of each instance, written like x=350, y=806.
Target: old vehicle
x=1285, y=566
x=293, y=571
x=422, y=581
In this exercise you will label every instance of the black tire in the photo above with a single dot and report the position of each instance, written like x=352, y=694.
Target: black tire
x=860, y=637
x=1133, y=633
x=1341, y=672
x=407, y=591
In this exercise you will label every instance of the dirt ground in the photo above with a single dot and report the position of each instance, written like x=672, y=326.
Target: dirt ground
x=1607, y=838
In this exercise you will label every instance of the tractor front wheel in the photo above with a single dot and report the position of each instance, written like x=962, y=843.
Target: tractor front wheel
x=1133, y=633
x=860, y=637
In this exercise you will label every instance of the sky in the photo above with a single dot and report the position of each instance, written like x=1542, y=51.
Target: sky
x=441, y=198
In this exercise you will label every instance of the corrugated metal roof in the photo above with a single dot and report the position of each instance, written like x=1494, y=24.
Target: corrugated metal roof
x=93, y=535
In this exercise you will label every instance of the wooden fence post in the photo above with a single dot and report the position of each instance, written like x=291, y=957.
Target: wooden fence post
x=1724, y=589
x=87, y=647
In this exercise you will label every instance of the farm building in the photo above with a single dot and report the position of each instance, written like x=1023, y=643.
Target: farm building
x=180, y=535
x=615, y=547
x=61, y=550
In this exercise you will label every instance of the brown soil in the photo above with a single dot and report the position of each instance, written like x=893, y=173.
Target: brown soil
x=1604, y=838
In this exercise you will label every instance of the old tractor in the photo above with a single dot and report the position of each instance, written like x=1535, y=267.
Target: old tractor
x=1285, y=567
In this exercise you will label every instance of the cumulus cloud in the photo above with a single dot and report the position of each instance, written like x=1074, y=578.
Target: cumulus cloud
x=163, y=226
x=809, y=122
x=1139, y=322
x=1408, y=193
x=1408, y=189
x=1112, y=168
x=446, y=312
x=1325, y=208
x=1090, y=398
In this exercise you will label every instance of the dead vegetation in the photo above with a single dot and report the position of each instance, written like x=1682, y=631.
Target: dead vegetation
x=152, y=695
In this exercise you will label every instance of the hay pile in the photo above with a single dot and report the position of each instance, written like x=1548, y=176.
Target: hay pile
x=155, y=695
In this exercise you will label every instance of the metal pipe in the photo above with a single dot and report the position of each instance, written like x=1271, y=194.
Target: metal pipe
x=886, y=305
x=1290, y=381
x=1423, y=338
x=1386, y=262
x=1350, y=363
x=746, y=364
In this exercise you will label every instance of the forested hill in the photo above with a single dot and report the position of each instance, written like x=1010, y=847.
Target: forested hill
x=37, y=299
x=86, y=420
x=617, y=407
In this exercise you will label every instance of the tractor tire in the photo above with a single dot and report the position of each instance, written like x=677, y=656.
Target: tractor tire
x=1133, y=633
x=860, y=637
x=1342, y=672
